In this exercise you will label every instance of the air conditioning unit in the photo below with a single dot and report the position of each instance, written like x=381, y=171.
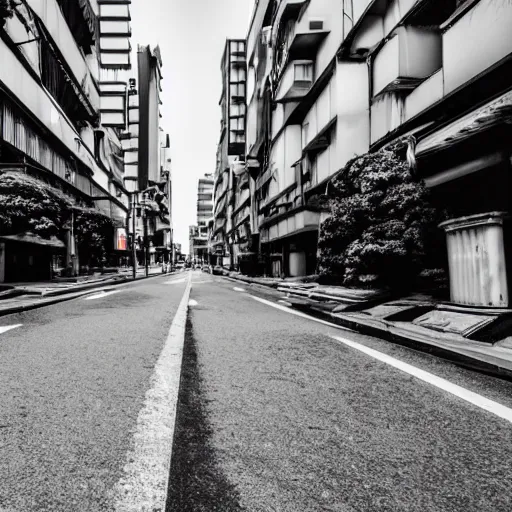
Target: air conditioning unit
x=316, y=24
x=266, y=36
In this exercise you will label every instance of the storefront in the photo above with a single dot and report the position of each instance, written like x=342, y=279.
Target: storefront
x=27, y=257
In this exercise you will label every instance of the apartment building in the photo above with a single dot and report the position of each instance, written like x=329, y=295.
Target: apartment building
x=61, y=91
x=332, y=79
x=147, y=161
x=230, y=234
x=199, y=235
x=304, y=123
x=440, y=71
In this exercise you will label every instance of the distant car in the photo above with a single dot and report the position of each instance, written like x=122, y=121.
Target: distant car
x=205, y=268
x=179, y=266
x=217, y=270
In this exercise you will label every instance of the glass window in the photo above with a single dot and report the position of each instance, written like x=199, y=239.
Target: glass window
x=304, y=72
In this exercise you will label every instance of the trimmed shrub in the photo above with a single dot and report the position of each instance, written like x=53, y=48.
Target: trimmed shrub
x=382, y=231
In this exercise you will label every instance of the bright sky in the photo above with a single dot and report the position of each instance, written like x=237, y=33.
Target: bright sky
x=191, y=35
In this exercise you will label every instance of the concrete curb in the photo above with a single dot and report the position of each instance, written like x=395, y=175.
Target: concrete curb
x=489, y=364
x=67, y=295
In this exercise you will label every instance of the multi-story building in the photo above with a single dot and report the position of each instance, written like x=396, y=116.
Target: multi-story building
x=231, y=206
x=148, y=161
x=204, y=200
x=61, y=108
x=332, y=79
x=198, y=238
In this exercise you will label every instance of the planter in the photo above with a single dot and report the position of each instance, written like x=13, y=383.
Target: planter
x=477, y=260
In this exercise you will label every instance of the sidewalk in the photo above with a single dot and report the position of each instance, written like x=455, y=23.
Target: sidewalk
x=26, y=296
x=480, y=338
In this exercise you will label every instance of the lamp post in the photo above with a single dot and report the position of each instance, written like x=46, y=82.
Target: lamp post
x=145, y=226
x=133, y=210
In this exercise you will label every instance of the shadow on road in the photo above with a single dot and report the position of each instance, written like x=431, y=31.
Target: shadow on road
x=196, y=482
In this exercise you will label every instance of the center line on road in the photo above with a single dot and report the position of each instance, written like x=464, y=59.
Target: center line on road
x=458, y=391
x=146, y=474
x=298, y=313
x=101, y=295
x=176, y=281
x=6, y=328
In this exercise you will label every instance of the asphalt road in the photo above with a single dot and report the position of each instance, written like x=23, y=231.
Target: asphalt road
x=276, y=415
x=73, y=379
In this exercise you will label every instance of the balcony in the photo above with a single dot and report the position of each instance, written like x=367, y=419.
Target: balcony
x=411, y=55
x=474, y=40
x=301, y=41
x=288, y=10
x=296, y=81
x=291, y=223
x=425, y=95
x=115, y=33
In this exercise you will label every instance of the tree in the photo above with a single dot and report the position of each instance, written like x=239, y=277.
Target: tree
x=29, y=204
x=382, y=230
x=94, y=233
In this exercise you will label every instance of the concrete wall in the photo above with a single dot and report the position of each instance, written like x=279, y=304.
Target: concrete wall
x=482, y=37
x=352, y=104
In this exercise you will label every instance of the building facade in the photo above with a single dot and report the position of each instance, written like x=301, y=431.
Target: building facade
x=198, y=234
x=328, y=80
x=229, y=233
x=61, y=81
x=148, y=162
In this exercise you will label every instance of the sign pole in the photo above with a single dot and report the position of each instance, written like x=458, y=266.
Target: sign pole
x=134, y=248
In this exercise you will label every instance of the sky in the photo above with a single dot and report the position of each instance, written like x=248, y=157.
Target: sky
x=191, y=35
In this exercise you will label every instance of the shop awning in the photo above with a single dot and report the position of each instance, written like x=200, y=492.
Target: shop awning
x=494, y=113
x=31, y=238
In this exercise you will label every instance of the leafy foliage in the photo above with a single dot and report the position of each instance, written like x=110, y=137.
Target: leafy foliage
x=94, y=235
x=6, y=10
x=382, y=230
x=29, y=204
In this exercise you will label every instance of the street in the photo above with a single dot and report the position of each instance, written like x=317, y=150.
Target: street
x=276, y=412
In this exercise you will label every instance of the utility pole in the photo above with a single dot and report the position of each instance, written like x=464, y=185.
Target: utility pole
x=146, y=240
x=134, y=234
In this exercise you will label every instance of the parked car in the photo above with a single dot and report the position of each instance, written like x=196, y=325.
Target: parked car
x=217, y=270
x=205, y=268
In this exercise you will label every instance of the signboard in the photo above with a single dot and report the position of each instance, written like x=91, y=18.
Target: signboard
x=121, y=241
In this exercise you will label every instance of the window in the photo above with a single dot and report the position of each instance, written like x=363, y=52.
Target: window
x=238, y=90
x=238, y=74
x=237, y=109
x=304, y=72
x=237, y=124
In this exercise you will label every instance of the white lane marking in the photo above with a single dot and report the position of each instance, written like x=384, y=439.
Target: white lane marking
x=238, y=289
x=101, y=295
x=6, y=328
x=193, y=302
x=176, y=281
x=146, y=474
x=298, y=313
x=445, y=385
